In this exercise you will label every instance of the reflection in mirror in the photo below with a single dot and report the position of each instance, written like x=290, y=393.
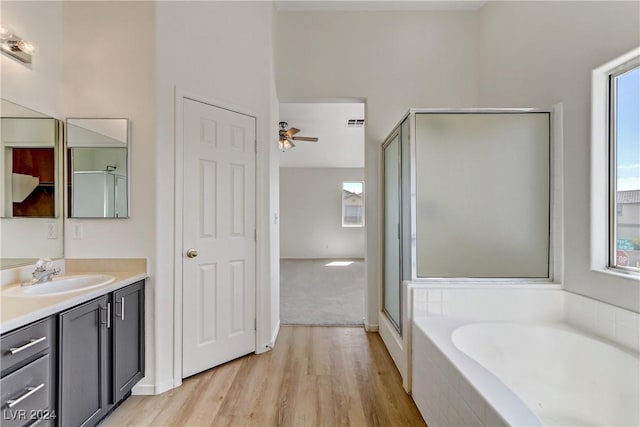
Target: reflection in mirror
x=31, y=226
x=98, y=168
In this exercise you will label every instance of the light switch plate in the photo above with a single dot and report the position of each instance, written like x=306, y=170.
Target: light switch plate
x=76, y=231
x=52, y=230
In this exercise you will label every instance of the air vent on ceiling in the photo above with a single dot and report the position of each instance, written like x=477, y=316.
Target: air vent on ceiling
x=355, y=123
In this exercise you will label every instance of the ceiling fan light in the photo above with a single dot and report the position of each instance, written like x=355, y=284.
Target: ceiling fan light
x=284, y=144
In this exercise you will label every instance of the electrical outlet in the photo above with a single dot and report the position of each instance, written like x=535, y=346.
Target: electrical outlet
x=76, y=231
x=52, y=230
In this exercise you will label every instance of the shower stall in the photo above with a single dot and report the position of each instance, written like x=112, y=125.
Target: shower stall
x=99, y=194
x=466, y=198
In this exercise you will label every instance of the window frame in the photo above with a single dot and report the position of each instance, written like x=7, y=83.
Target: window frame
x=613, y=161
x=344, y=225
x=603, y=165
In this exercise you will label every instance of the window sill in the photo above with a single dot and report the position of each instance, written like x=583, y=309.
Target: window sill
x=630, y=275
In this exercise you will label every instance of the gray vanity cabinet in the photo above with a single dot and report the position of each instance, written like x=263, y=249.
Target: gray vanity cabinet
x=128, y=339
x=101, y=355
x=83, y=385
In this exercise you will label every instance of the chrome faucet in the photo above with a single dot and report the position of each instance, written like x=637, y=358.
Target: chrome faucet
x=43, y=273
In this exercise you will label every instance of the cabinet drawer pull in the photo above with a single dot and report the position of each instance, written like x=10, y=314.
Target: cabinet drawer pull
x=122, y=308
x=107, y=321
x=32, y=342
x=30, y=391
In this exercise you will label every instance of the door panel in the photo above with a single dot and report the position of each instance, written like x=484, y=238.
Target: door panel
x=219, y=222
x=208, y=200
x=208, y=287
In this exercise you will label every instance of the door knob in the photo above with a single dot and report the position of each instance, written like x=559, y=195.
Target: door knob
x=192, y=253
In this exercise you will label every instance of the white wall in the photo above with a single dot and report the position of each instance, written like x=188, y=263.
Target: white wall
x=311, y=214
x=108, y=71
x=35, y=86
x=396, y=60
x=535, y=54
x=110, y=74
x=220, y=51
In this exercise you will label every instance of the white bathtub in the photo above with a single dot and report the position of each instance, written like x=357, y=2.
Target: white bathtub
x=474, y=364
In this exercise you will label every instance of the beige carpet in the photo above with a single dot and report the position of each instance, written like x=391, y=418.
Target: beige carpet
x=312, y=293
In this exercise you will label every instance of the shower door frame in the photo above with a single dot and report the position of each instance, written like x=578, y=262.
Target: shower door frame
x=395, y=134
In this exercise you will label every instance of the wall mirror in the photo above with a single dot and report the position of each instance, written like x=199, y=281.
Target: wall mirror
x=98, y=172
x=30, y=188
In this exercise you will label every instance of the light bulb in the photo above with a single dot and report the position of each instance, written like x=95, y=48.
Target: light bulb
x=26, y=47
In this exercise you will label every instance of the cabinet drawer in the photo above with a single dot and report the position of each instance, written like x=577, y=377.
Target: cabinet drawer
x=20, y=345
x=26, y=393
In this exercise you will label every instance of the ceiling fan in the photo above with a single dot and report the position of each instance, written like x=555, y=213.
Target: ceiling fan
x=287, y=137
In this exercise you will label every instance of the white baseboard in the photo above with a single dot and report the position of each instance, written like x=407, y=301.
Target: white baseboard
x=274, y=337
x=143, y=390
x=371, y=328
x=264, y=347
x=164, y=386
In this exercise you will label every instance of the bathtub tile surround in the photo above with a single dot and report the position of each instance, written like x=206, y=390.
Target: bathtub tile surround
x=462, y=390
x=604, y=320
x=515, y=302
x=447, y=398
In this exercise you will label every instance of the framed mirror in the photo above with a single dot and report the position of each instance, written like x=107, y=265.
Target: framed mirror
x=30, y=188
x=98, y=169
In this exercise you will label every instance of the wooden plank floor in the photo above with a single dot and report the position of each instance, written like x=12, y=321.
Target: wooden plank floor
x=315, y=376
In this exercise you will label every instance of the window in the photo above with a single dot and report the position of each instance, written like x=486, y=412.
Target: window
x=624, y=166
x=615, y=166
x=353, y=204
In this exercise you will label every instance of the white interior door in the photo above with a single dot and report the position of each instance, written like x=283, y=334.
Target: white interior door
x=218, y=236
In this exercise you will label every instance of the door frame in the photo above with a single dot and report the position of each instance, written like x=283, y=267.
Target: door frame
x=260, y=191
x=371, y=298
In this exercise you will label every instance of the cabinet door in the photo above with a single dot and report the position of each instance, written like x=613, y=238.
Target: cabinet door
x=83, y=363
x=128, y=339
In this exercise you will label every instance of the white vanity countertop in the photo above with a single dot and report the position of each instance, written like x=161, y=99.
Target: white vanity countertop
x=19, y=311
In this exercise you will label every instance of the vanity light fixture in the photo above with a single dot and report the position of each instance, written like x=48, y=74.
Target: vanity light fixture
x=16, y=47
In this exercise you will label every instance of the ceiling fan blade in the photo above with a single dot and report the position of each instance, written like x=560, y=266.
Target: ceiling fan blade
x=291, y=142
x=292, y=131
x=305, y=138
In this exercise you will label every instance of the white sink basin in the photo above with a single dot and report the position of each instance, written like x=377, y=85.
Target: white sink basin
x=59, y=285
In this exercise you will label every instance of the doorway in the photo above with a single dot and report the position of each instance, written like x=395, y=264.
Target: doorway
x=322, y=218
